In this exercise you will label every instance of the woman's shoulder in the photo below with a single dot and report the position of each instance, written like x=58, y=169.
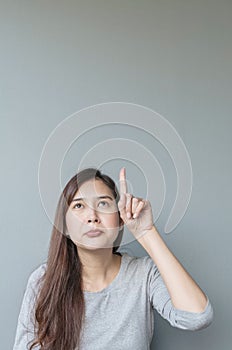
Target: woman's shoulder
x=37, y=274
x=128, y=255
x=142, y=263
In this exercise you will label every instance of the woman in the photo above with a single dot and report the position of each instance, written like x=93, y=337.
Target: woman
x=89, y=296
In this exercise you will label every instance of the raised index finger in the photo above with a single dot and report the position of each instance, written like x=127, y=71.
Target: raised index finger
x=122, y=181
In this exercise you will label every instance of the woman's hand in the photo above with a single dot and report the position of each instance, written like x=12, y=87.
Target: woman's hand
x=135, y=212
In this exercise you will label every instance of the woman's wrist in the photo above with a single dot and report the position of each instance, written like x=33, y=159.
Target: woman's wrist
x=148, y=235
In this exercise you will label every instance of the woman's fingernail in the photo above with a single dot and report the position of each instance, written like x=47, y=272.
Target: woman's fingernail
x=128, y=215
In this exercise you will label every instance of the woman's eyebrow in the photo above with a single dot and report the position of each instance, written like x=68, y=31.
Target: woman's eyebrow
x=100, y=197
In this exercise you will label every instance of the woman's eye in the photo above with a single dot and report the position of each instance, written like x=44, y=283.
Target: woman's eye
x=77, y=205
x=105, y=203
x=101, y=203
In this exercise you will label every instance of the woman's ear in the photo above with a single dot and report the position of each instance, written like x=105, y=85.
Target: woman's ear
x=67, y=234
x=121, y=223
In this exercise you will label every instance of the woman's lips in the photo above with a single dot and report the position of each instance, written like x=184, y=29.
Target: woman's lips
x=93, y=233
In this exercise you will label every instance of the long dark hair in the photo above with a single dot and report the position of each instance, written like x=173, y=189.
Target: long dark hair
x=59, y=307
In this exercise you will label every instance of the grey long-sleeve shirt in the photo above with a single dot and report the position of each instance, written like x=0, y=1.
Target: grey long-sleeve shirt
x=121, y=316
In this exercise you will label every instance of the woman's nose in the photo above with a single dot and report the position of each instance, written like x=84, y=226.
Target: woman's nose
x=92, y=215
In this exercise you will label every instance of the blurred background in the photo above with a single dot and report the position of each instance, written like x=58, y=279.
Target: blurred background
x=172, y=56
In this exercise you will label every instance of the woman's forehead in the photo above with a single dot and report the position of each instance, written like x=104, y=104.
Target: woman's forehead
x=93, y=188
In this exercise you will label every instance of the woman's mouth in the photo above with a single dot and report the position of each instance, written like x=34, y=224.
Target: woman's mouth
x=94, y=233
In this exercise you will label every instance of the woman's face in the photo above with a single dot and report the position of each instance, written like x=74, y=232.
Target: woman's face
x=93, y=208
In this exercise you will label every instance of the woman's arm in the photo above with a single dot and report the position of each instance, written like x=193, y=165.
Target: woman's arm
x=26, y=322
x=184, y=292
x=160, y=300
x=136, y=213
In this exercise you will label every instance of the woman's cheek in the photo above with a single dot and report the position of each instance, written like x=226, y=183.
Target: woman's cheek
x=73, y=224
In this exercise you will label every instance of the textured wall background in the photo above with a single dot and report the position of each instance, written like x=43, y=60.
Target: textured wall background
x=173, y=56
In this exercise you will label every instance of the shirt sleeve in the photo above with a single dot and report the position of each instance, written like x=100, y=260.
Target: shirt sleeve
x=161, y=301
x=25, y=331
